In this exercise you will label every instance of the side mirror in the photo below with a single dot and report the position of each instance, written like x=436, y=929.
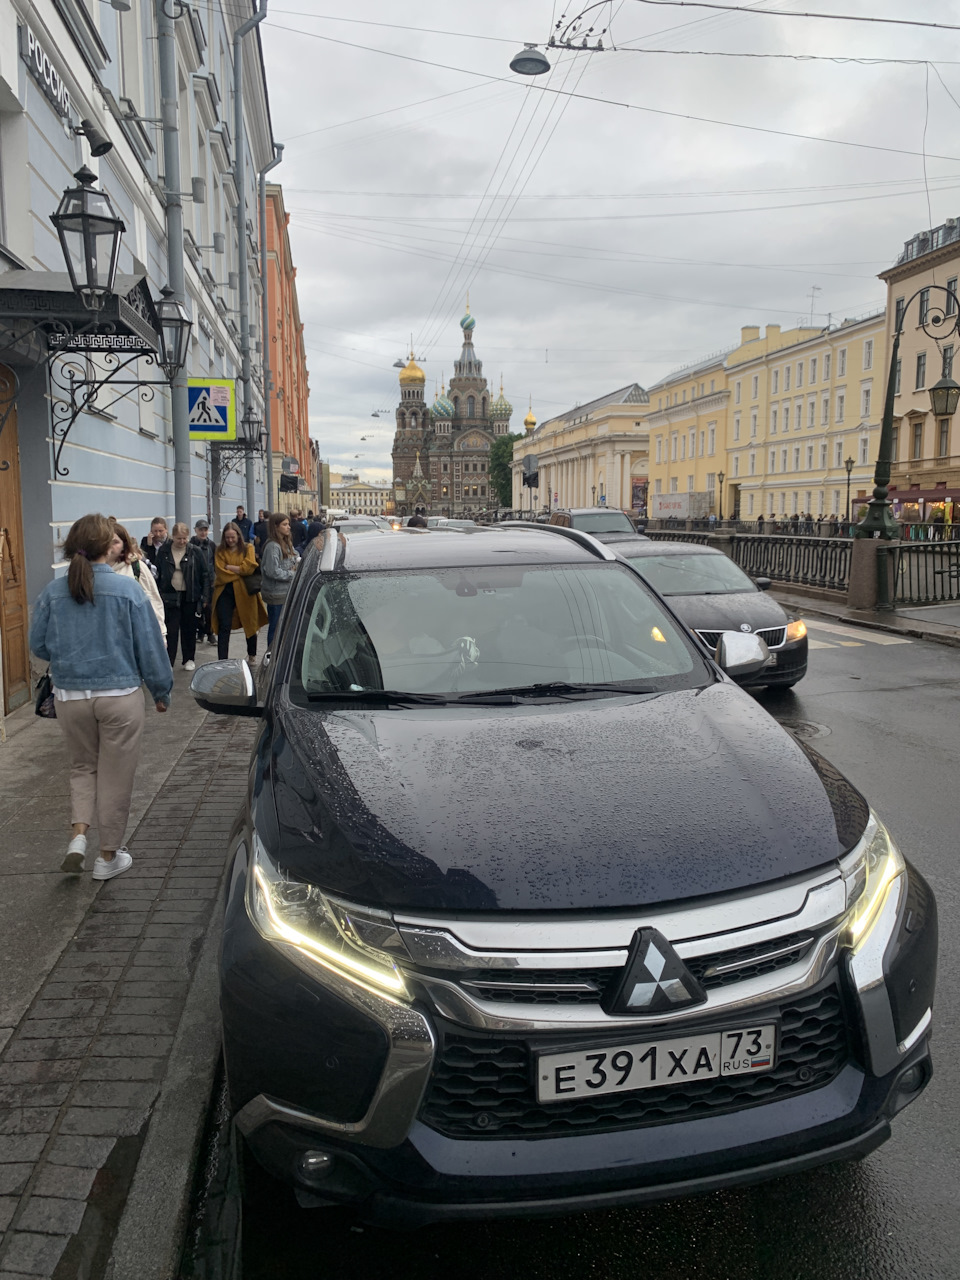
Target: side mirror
x=763, y=584
x=226, y=687
x=741, y=654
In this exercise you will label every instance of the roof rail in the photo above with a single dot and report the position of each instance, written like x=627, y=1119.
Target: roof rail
x=575, y=535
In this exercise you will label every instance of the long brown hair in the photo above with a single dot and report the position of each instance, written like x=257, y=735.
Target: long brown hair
x=274, y=535
x=241, y=545
x=131, y=551
x=88, y=540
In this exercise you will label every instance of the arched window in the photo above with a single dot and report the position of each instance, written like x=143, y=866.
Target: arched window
x=471, y=407
x=456, y=405
x=483, y=406
x=401, y=420
x=413, y=422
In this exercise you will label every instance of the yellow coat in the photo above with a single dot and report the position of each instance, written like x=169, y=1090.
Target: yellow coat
x=250, y=612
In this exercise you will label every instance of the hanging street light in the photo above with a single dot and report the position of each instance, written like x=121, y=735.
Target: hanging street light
x=944, y=397
x=175, y=329
x=529, y=62
x=89, y=229
x=251, y=427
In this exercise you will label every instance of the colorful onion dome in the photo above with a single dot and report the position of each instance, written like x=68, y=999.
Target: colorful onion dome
x=501, y=407
x=468, y=324
x=442, y=407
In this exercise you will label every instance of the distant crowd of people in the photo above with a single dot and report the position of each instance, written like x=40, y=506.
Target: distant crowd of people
x=153, y=601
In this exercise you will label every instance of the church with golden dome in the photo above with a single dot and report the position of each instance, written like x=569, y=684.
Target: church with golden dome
x=441, y=453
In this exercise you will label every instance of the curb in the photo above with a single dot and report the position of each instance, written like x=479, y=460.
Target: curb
x=150, y=1234
x=947, y=636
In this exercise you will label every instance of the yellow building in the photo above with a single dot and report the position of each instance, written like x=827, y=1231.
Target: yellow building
x=926, y=451
x=594, y=454
x=777, y=415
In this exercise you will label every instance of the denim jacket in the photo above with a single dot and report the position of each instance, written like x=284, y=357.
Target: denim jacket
x=113, y=643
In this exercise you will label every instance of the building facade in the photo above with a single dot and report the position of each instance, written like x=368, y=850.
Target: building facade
x=360, y=498
x=441, y=453
x=80, y=85
x=290, y=391
x=779, y=416
x=925, y=475
x=594, y=454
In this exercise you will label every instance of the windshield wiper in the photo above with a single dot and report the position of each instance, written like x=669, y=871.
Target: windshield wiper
x=388, y=696
x=556, y=688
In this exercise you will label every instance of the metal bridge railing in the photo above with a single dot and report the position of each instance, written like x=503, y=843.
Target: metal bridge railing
x=925, y=572
x=810, y=562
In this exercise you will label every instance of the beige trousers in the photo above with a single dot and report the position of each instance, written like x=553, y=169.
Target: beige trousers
x=103, y=741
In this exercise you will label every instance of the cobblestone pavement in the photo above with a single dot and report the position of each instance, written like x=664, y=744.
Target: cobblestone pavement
x=82, y=1070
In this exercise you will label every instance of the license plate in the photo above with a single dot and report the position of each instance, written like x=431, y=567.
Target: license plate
x=651, y=1064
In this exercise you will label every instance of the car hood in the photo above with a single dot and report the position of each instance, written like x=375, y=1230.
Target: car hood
x=755, y=609
x=605, y=803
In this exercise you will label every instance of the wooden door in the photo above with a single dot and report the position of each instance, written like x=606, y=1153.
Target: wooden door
x=13, y=587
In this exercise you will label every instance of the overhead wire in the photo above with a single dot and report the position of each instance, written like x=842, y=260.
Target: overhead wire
x=793, y=13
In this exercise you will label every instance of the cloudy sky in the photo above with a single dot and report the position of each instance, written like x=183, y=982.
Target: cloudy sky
x=613, y=219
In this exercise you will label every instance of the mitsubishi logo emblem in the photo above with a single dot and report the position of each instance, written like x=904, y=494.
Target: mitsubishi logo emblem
x=654, y=979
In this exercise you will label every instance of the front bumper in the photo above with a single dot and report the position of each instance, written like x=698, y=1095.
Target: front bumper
x=789, y=667
x=317, y=1067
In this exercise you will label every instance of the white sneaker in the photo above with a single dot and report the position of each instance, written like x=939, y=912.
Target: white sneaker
x=190, y=666
x=120, y=862
x=76, y=849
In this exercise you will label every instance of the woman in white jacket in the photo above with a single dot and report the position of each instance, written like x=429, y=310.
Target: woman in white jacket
x=128, y=561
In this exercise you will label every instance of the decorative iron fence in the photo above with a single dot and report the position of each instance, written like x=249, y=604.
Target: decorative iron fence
x=677, y=535
x=810, y=562
x=925, y=572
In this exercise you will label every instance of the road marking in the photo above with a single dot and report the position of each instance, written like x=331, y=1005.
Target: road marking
x=851, y=644
x=820, y=644
x=852, y=633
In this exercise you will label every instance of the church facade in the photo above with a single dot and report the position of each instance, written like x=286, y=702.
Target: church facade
x=441, y=452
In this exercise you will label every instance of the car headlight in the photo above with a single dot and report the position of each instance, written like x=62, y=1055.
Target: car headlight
x=348, y=940
x=870, y=876
x=796, y=630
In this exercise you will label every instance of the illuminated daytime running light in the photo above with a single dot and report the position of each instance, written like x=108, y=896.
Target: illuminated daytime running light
x=883, y=864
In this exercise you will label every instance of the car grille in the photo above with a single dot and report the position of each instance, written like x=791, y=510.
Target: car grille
x=483, y=1086
x=772, y=636
x=588, y=986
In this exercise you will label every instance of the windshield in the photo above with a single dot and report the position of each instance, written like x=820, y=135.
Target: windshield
x=479, y=628
x=695, y=574
x=602, y=522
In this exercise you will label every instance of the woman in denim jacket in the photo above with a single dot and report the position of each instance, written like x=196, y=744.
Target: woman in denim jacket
x=278, y=565
x=98, y=632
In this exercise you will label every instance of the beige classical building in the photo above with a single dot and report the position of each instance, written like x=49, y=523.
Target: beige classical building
x=925, y=476
x=359, y=498
x=594, y=454
x=777, y=416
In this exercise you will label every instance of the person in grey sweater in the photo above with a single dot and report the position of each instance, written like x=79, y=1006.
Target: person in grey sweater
x=278, y=566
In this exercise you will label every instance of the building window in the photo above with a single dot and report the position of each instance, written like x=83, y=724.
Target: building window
x=842, y=362
x=736, y=428
x=868, y=354
x=895, y=443
x=794, y=501
x=826, y=367
x=951, y=305
x=796, y=459
x=775, y=382
x=783, y=459
x=943, y=438
x=864, y=450
x=749, y=504
x=924, y=305
x=711, y=439
x=736, y=464
x=659, y=449
x=736, y=393
x=809, y=457
x=823, y=456
x=471, y=406
x=773, y=422
x=917, y=451
x=947, y=362
x=711, y=482
x=483, y=491
x=813, y=369
x=712, y=384
x=786, y=378
x=786, y=418
x=841, y=402
x=673, y=447
x=657, y=486
x=673, y=484
x=684, y=395
x=683, y=448
x=838, y=454
x=693, y=442
x=811, y=412
x=702, y=440
x=896, y=381
x=689, y=484
x=753, y=425
x=753, y=464
x=898, y=313
x=921, y=370
x=755, y=387
x=800, y=374
x=865, y=403
x=446, y=466
x=772, y=461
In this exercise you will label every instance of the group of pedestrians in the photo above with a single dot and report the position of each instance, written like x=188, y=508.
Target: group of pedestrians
x=117, y=619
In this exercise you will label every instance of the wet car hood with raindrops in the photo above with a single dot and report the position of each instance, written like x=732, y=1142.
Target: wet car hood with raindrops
x=603, y=803
x=728, y=612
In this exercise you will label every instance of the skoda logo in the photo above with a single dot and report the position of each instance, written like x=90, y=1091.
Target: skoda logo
x=654, y=980
x=744, y=626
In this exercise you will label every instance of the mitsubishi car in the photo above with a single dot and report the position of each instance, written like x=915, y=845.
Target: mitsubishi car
x=532, y=909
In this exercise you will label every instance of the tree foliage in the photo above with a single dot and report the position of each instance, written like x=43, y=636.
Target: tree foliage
x=501, y=456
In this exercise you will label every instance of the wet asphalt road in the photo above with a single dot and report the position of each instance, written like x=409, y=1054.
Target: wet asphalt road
x=888, y=715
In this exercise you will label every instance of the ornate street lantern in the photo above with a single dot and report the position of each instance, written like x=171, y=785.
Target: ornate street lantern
x=250, y=427
x=174, y=333
x=944, y=397
x=89, y=231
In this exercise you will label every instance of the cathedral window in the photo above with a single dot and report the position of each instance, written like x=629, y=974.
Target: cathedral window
x=483, y=491
x=483, y=406
x=471, y=406
x=456, y=405
x=446, y=466
x=413, y=422
x=483, y=466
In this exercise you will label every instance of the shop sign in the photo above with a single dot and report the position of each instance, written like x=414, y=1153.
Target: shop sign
x=44, y=72
x=290, y=466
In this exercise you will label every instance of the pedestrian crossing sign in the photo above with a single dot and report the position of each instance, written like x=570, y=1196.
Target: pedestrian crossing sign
x=212, y=408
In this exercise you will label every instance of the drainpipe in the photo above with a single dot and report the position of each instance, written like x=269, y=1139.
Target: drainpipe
x=272, y=496
x=238, y=141
x=167, y=60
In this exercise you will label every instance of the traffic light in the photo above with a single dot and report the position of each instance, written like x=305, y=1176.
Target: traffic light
x=531, y=473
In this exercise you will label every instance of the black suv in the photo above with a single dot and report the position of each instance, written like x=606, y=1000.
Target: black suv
x=602, y=522
x=533, y=909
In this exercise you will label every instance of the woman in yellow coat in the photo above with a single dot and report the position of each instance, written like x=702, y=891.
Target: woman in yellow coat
x=232, y=607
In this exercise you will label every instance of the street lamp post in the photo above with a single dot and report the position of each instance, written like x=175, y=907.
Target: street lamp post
x=937, y=323
x=720, y=477
x=89, y=229
x=849, y=465
x=593, y=495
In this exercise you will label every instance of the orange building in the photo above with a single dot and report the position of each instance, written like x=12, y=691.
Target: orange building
x=290, y=393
